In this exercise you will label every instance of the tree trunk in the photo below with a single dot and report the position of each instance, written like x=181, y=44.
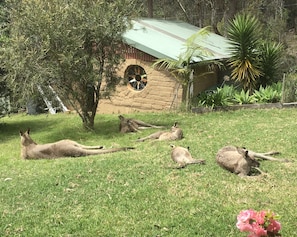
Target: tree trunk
x=150, y=8
x=88, y=122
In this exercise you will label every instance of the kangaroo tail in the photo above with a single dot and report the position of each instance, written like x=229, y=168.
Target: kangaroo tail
x=202, y=162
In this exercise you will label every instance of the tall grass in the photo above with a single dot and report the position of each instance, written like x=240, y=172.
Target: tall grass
x=139, y=193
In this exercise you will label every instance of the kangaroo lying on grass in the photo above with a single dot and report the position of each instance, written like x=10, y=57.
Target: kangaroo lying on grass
x=62, y=148
x=133, y=125
x=175, y=134
x=240, y=161
x=183, y=157
x=236, y=160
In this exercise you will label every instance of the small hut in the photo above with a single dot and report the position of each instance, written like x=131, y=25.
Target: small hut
x=147, y=89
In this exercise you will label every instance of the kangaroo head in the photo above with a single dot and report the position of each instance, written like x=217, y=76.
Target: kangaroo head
x=26, y=140
x=175, y=127
x=250, y=159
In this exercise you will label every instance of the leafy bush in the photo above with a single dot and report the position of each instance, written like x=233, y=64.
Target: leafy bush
x=222, y=96
x=269, y=94
x=244, y=97
x=228, y=95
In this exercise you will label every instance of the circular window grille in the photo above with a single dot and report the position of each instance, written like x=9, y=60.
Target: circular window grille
x=136, y=77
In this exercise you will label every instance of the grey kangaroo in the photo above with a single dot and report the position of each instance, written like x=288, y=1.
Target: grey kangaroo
x=62, y=148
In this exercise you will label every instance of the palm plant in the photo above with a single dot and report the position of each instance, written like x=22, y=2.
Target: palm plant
x=182, y=67
x=243, y=33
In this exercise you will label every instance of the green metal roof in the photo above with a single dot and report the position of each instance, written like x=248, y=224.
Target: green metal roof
x=166, y=39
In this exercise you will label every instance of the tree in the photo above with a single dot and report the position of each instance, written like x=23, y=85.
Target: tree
x=243, y=33
x=74, y=46
x=182, y=67
x=4, y=92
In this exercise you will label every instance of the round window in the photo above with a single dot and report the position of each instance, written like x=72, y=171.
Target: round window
x=136, y=77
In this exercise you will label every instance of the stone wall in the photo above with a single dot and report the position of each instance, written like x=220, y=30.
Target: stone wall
x=162, y=92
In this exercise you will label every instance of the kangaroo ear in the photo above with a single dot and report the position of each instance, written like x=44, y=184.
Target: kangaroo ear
x=28, y=131
x=21, y=133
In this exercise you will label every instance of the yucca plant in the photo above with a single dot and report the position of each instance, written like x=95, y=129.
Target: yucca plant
x=243, y=33
x=270, y=54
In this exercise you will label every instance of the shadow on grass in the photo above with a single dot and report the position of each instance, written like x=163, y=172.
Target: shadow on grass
x=57, y=127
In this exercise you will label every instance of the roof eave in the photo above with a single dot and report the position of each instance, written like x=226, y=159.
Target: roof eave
x=146, y=49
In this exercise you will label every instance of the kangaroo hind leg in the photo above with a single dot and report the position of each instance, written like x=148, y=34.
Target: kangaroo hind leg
x=87, y=147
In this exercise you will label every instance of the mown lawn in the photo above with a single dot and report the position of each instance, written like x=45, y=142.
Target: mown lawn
x=138, y=193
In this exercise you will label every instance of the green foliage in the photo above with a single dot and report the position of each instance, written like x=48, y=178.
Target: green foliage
x=244, y=97
x=219, y=97
x=72, y=45
x=269, y=94
x=243, y=32
x=228, y=95
x=253, y=63
x=4, y=100
x=139, y=193
x=270, y=54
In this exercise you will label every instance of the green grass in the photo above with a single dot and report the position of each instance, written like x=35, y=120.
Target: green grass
x=137, y=193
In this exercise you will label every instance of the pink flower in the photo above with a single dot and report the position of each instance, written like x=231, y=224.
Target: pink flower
x=259, y=231
x=244, y=215
x=244, y=227
x=243, y=220
x=260, y=217
x=258, y=224
x=274, y=226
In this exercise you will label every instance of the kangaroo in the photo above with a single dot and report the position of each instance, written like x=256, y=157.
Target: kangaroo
x=183, y=157
x=62, y=148
x=175, y=134
x=237, y=160
x=133, y=125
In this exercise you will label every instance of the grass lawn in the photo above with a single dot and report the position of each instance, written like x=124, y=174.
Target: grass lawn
x=138, y=193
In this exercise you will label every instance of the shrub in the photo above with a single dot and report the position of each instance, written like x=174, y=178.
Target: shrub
x=228, y=95
x=222, y=96
x=244, y=97
x=269, y=94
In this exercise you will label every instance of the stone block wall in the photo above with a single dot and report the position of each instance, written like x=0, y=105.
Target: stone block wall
x=162, y=92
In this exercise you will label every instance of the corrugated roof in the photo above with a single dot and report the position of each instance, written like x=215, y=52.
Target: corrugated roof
x=166, y=39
